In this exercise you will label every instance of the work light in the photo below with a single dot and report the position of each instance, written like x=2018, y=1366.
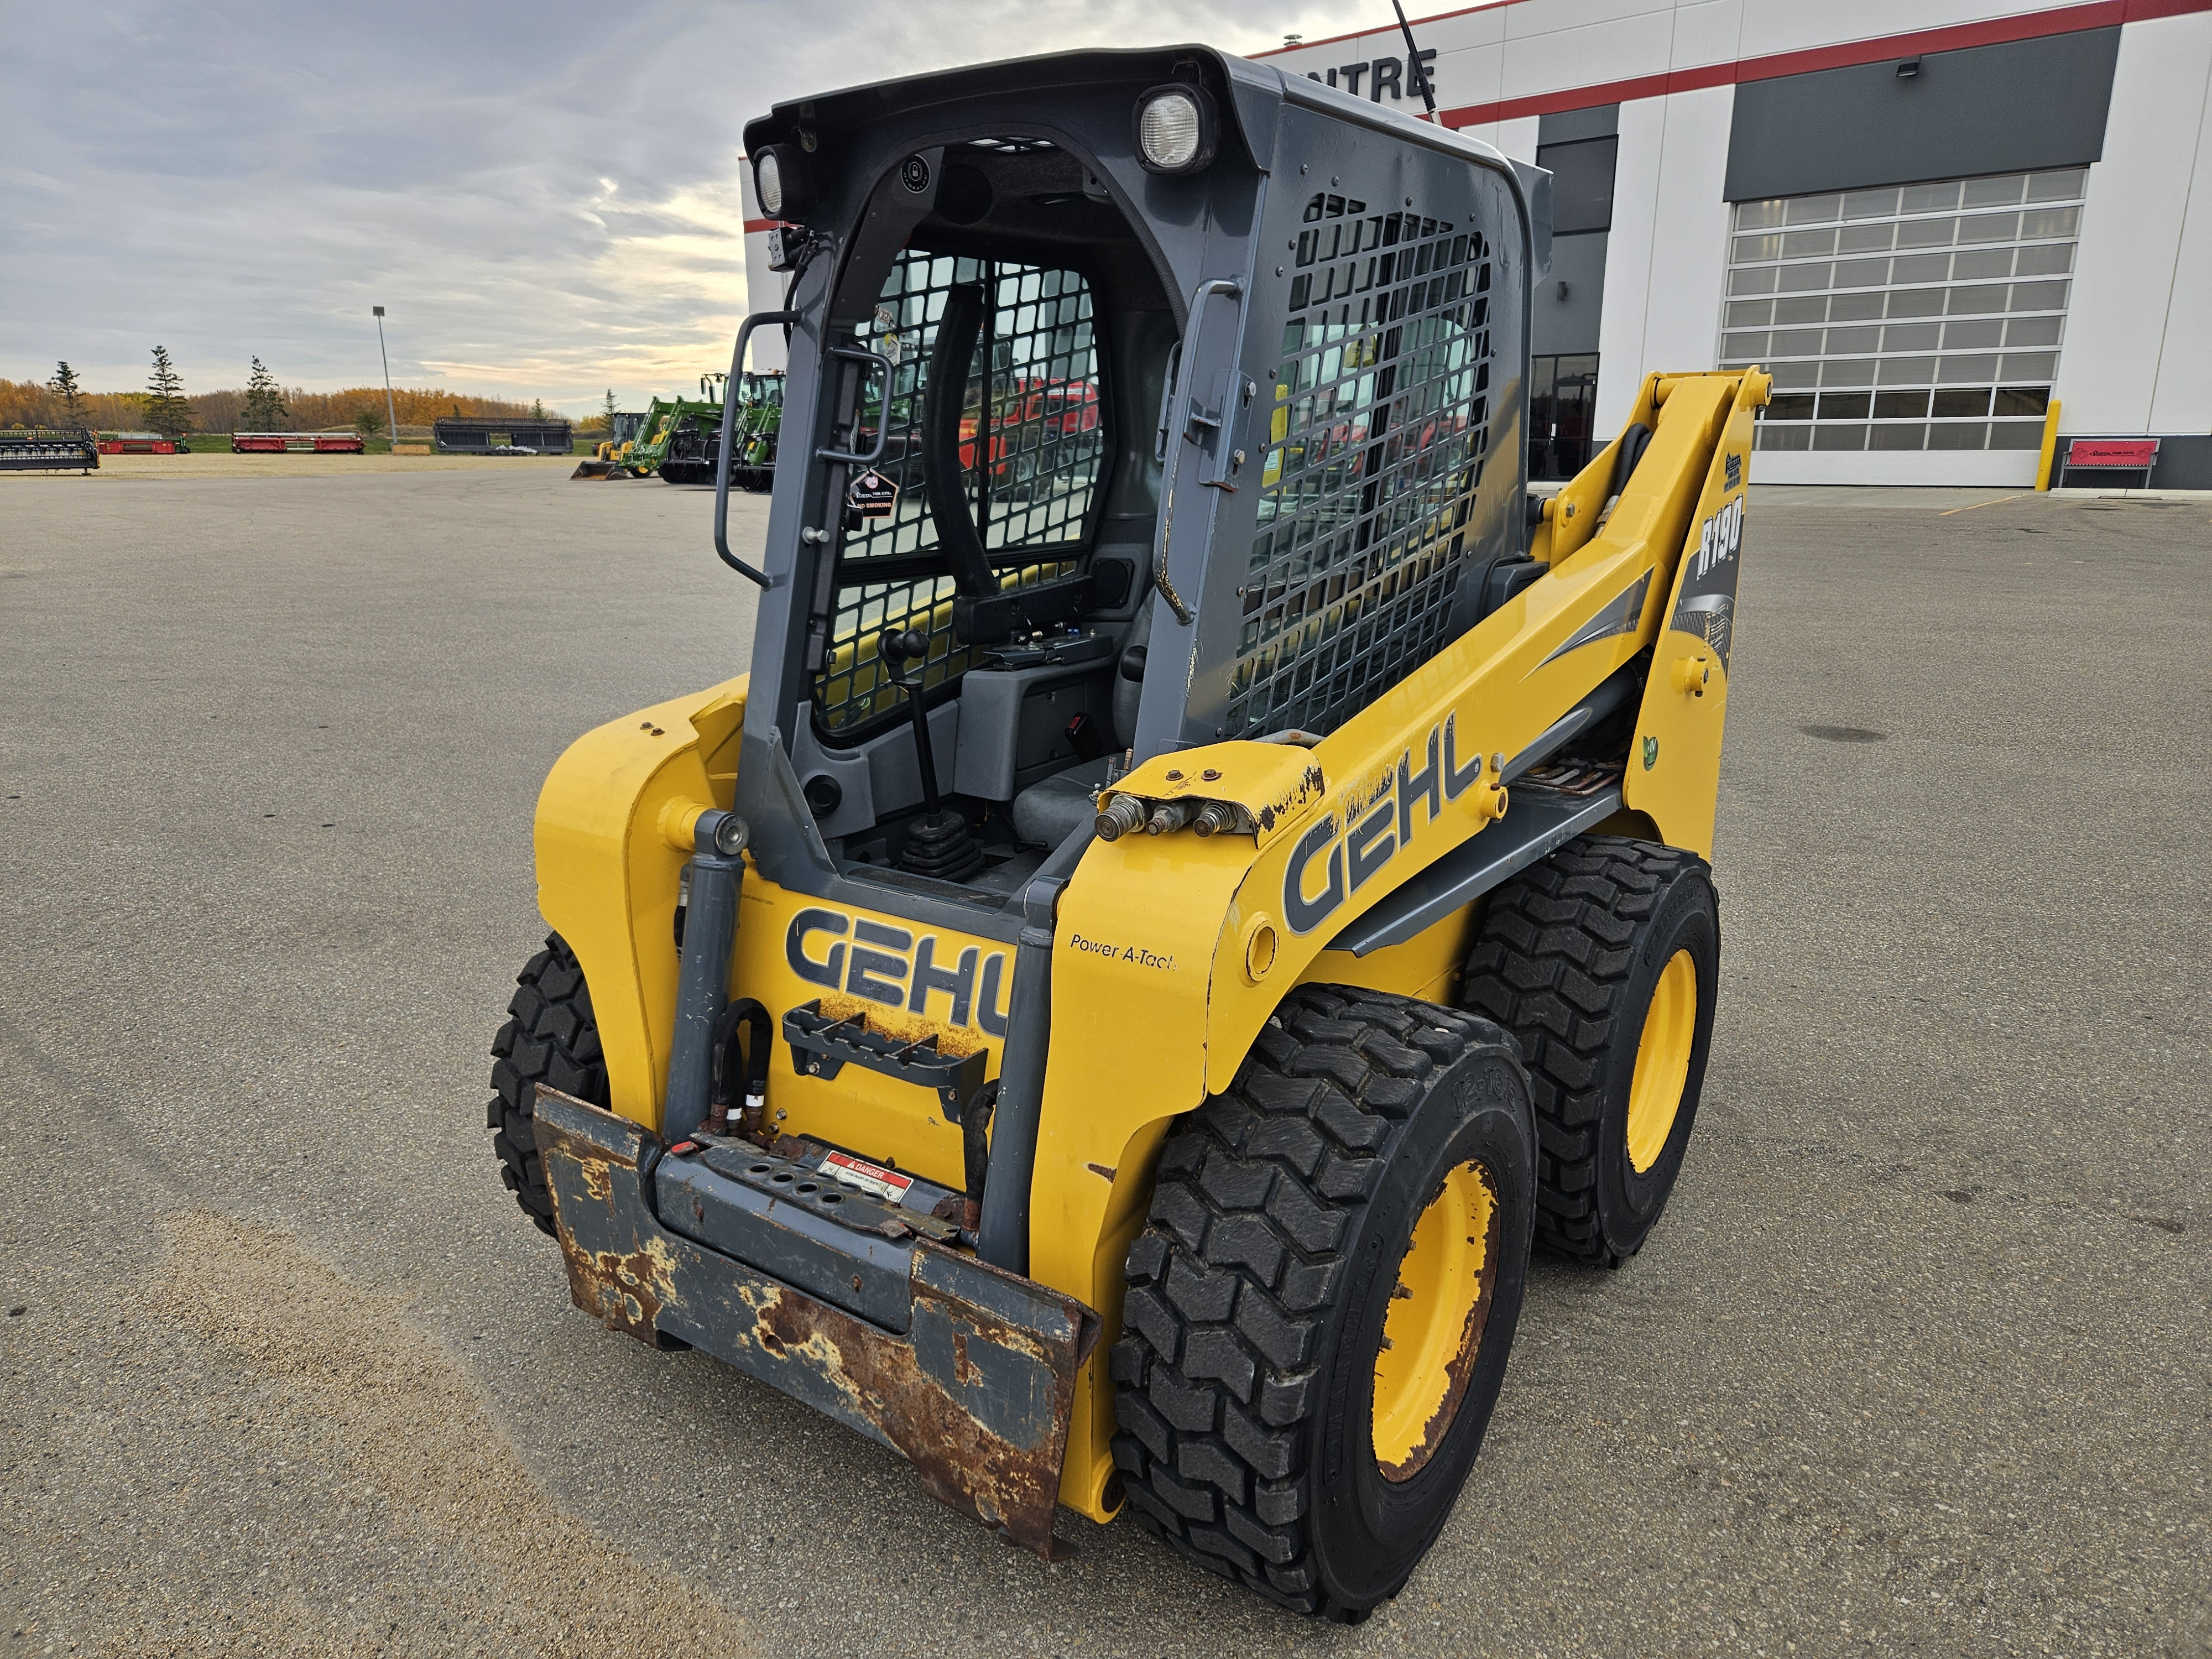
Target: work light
x=1176, y=130
x=780, y=182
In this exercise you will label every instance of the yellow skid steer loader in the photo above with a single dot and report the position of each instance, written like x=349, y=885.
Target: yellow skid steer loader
x=1204, y=871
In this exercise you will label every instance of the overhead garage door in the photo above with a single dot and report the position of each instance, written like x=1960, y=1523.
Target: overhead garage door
x=1913, y=330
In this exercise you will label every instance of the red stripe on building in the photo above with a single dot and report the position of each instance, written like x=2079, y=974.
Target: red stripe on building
x=1988, y=31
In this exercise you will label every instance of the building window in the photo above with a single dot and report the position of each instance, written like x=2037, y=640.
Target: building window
x=1921, y=317
x=1562, y=398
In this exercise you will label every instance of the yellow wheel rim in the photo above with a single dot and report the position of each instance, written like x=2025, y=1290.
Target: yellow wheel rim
x=1662, y=1060
x=1434, y=1328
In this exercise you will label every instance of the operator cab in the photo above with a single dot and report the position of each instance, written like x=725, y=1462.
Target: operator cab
x=993, y=290
x=1007, y=525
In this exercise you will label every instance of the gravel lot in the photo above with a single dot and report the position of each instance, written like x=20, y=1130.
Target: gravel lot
x=1918, y=1362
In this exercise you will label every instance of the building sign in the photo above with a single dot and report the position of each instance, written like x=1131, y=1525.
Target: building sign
x=1379, y=74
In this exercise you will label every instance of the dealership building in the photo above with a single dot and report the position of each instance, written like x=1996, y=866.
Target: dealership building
x=1934, y=221
x=1930, y=220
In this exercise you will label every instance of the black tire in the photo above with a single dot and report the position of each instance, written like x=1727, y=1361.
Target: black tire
x=1569, y=955
x=549, y=1037
x=1245, y=1375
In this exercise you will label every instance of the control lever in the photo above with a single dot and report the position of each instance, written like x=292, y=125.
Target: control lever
x=939, y=843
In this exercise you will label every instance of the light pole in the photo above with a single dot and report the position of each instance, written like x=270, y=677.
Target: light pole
x=390, y=415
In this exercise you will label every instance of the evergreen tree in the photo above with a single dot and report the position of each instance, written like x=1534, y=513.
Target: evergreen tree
x=265, y=409
x=537, y=409
x=66, y=386
x=607, y=409
x=166, y=411
x=367, y=421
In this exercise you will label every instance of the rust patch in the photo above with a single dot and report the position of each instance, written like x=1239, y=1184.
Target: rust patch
x=961, y=1462
x=625, y=1291
x=1100, y=1170
x=958, y=1040
x=596, y=1180
x=1461, y=1370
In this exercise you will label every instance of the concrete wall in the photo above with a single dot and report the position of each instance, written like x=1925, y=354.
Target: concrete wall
x=1666, y=259
x=2138, y=352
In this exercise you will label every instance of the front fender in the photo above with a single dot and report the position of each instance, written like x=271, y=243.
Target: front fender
x=608, y=868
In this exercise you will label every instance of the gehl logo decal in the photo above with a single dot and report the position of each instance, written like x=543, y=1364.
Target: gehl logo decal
x=888, y=965
x=1375, y=830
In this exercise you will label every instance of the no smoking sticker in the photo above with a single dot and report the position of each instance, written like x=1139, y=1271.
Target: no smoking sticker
x=872, y=495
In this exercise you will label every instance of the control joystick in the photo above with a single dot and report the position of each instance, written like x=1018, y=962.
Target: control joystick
x=939, y=843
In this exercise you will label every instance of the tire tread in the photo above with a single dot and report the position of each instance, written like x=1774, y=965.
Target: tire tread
x=549, y=1037
x=1257, y=1193
x=1557, y=948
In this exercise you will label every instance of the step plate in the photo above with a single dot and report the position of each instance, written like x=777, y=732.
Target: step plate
x=975, y=1393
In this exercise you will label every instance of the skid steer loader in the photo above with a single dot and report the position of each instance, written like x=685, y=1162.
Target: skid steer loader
x=1106, y=1006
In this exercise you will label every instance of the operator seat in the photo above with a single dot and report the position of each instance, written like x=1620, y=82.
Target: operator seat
x=1050, y=810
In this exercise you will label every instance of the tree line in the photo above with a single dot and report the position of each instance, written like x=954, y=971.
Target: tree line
x=262, y=404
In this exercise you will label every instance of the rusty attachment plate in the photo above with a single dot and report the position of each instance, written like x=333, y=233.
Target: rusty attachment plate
x=974, y=1385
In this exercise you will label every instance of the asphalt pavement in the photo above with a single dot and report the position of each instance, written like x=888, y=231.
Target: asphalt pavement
x=1917, y=1363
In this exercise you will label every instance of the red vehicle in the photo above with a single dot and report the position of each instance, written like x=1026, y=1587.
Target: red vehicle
x=1049, y=408
x=139, y=443
x=297, y=443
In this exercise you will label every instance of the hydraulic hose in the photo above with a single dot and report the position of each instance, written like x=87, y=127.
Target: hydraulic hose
x=976, y=1146
x=736, y=1064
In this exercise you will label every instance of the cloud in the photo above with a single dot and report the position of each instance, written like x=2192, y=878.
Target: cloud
x=545, y=195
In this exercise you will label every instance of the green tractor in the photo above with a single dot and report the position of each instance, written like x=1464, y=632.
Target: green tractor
x=678, y=440
x=678, y=437
x=759, y=419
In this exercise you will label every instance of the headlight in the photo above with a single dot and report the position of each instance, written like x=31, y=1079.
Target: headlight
x=1176, y=130
x=781, y=182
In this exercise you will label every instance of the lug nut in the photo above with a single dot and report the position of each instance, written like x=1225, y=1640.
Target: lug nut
x=1122, y=815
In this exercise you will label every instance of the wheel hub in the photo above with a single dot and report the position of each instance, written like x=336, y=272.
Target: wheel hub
x=1434, y=1328
x=1663, y=1061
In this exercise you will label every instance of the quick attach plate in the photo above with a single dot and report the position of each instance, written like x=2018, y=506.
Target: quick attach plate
x=817, y=1189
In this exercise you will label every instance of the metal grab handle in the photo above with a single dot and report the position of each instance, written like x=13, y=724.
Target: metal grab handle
x=1188, y=388
x=873, y=360
x=722, y=449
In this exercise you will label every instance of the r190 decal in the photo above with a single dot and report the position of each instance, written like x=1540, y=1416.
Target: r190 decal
x=1705, y=605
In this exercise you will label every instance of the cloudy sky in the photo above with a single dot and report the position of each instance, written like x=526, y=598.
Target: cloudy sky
x=542, y=195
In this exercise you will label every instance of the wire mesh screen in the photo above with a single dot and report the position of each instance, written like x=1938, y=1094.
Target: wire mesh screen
x=1380, y=427
x=1031, y=448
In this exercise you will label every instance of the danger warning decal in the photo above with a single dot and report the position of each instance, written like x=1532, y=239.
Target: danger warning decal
x=1706, y=601
x=887, y=1184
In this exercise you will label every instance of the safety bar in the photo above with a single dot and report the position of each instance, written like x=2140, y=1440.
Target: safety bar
x=873, y=360
x=1188, y=376
x=729, y=423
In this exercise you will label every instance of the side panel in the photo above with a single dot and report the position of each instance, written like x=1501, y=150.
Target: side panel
x=1154, y=1005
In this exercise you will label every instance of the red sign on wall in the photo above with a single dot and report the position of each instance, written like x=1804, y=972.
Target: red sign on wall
x=2140, y=453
